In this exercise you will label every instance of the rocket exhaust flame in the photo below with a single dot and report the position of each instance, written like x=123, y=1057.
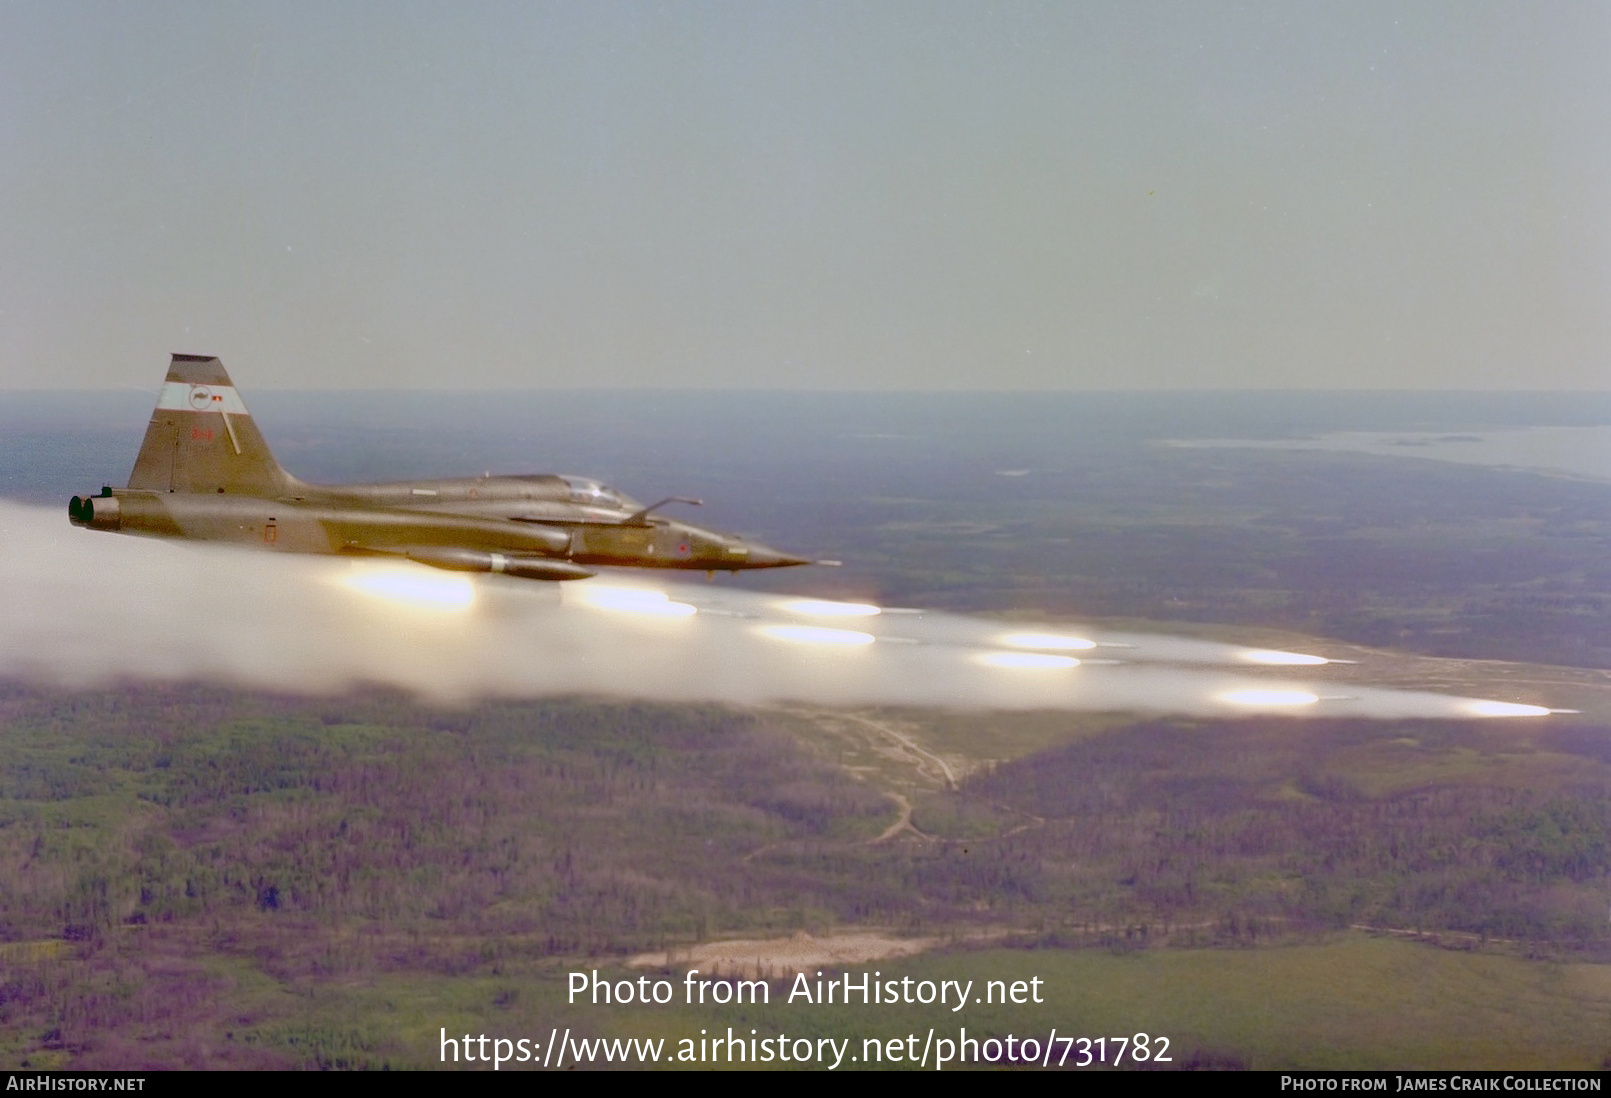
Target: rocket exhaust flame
x=823, y=608
x=1269, y=699
x=410, y=585
x=1026, y=659
x=1283, y=659
x=171, y=610
x=1048, y=640
x=630, y=600
x=810, y=634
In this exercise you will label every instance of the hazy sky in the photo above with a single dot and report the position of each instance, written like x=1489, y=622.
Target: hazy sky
x=820, y=195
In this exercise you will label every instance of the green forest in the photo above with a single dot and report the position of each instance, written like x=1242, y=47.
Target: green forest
x=188, y=873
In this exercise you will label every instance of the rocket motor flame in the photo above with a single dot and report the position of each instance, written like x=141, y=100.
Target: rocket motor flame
x=183, y=611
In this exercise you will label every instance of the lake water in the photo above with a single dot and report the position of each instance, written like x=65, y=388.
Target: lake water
x=1574, y=451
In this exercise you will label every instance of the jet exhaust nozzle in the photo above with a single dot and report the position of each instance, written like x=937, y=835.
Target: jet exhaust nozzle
x=95, y=512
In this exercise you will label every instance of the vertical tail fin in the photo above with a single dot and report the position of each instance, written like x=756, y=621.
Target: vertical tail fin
x=202, y=439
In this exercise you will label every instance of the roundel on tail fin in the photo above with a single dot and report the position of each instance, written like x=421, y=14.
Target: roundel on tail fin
x=201, y=438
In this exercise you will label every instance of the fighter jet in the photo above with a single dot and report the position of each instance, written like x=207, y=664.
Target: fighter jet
x=204, y=472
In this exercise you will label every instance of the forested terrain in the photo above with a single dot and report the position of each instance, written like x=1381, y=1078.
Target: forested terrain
x=1265, y=825
x=1428, y=557
x=161, y=848
x=591, y=826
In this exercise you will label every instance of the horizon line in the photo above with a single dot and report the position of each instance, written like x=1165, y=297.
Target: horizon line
x=797, y=391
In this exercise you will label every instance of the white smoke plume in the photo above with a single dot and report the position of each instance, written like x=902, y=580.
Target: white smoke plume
x=84, y=608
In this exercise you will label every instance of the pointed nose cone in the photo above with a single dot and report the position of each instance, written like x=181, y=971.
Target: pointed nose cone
x=763, y=556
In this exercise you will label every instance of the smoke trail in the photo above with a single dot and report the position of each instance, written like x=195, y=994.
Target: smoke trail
x=81, y=608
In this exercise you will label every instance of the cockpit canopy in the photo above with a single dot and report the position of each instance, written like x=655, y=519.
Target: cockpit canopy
x=591, y=493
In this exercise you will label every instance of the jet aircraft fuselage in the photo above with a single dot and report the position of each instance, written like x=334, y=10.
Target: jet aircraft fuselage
x=204, y=472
